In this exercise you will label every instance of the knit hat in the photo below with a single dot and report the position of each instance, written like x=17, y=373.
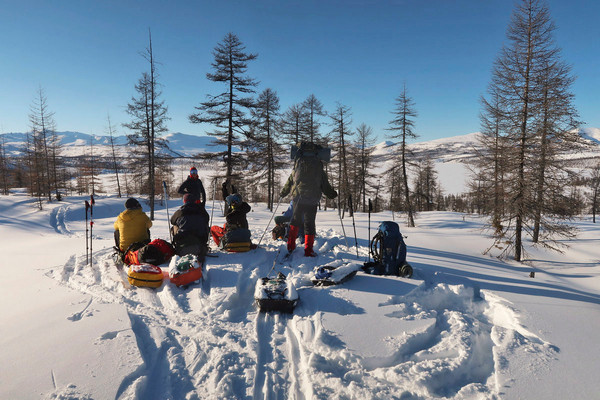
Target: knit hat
x=132, y=204
x=189, y=198
x=233, y=199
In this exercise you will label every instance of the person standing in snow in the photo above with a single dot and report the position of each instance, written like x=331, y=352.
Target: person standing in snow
x=132, y=225
x=190, y=227
x=193, y=185
x=307, y=182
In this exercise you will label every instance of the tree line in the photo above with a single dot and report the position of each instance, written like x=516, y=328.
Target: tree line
x=520, y=178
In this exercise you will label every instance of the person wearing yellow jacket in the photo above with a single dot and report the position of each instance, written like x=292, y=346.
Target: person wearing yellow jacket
x=132, y=225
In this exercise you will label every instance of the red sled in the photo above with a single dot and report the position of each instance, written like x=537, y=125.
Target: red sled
x=185, y=270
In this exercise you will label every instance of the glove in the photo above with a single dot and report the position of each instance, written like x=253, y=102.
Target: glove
x=335, y=194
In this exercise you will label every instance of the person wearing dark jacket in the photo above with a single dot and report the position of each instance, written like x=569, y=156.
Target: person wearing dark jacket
x=226, y=189
x=235, y=217
x=307, y=182
x=193, y=185
x=190, y=227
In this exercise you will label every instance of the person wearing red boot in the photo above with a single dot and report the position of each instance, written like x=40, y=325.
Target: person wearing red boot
x=307, y=182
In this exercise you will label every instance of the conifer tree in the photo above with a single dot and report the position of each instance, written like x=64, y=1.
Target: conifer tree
x=425, y=184
x=594, y=186
x=341, y=121
x=227, y=110
x=4, y=169
x=365, y=163
x=149, y=116
x=313, y=109
x=265, y=153
x=46, y=145
x=115, y=164
x=294, y=124
x=402, y=129
x=530, y=97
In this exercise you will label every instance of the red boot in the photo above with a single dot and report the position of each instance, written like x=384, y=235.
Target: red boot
x=309, y=240
x=292, y=235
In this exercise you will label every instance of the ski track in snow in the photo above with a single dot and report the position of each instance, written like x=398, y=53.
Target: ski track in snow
x=209, y=342
x=58, y=220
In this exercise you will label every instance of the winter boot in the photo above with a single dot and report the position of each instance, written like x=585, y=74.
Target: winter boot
x=308, y=246
x=292, y=235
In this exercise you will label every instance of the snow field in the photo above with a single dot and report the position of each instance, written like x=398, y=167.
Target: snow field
x=451, y=332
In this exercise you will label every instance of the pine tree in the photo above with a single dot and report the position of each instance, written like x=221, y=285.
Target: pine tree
x=490, y=163
x=266, y=153
x=594, y=186
x=115, y=164
x=313, y=109
x=4, y=169
x=365, y=163
x=531, y=99
x=294, y=124
x=227, y=110
x=402, y=128
x=149, y=116
x=426, y=185
x=46, y=145
x=341, y=121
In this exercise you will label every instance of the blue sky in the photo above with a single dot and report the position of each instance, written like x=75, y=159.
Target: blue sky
x=86, y=56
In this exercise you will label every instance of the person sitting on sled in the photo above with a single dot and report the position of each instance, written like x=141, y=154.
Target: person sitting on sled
x=307, y=182
x=226, y=189
x=193, y=185
x=132, y=225
x=235, y=217
x=190, y=227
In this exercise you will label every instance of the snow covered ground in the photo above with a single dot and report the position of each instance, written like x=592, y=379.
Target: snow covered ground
x=466, y=326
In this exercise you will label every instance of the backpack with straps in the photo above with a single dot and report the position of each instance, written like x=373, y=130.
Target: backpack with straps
x=389, y=252
x=155, y=252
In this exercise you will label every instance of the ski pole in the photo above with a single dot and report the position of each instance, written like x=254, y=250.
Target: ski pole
x=342, y=223
x=164, y=183
x=351, y=209
x=92, y=202
x=87, y=248
x=212, y=211
x=272, y=215
x=369, y=237
x=274, y=261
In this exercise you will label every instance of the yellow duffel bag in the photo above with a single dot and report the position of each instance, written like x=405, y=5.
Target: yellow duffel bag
x=146, y=275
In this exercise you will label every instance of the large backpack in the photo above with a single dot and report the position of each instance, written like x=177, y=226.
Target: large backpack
x=188, y=243
x=237, y=240
x=310, y=149
x=155, y=252
x=389, y=252
x=308, y=168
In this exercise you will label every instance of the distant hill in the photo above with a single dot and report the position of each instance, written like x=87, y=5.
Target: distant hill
x=77, y=144
x=449, y=154
x=456, y=148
